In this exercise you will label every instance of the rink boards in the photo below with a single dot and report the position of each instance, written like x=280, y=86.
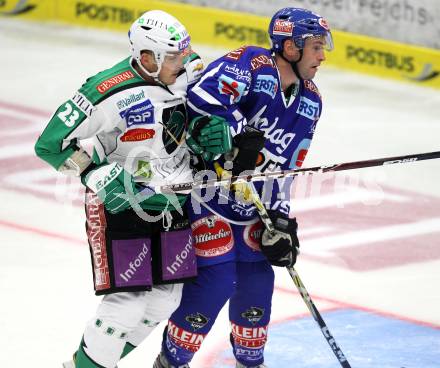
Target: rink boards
x=227, y=29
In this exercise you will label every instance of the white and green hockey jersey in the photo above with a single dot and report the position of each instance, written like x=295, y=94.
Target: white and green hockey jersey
x=139, y=125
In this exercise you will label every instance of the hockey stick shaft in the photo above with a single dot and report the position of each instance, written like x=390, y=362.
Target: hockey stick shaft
x=297, y=172
x=318, y=318
x=267, y=222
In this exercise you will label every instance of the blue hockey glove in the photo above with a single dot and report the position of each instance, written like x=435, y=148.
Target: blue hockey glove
x=282, y=247
x=209, y=136
x=112, y=184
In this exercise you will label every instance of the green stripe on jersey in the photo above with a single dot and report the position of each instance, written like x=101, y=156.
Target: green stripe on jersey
x=50, y=145
x=103, y=84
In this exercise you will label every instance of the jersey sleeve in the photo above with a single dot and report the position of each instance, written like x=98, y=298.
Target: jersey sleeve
x=194, y=68
x=74, y=120
x=84, y=115
x=221, y=88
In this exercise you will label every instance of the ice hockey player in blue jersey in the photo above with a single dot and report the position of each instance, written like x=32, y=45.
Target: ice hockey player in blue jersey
x=272, y=107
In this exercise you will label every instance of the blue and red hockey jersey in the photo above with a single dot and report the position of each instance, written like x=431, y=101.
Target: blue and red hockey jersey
x=244, y=87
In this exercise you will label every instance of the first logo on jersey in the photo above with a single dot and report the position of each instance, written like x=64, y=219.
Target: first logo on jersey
x=308, y=108
x=266, y=84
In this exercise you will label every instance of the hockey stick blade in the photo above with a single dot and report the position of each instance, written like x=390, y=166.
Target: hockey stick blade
x=199, y=184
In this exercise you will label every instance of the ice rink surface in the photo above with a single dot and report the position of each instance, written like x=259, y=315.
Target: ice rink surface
x=370, y=240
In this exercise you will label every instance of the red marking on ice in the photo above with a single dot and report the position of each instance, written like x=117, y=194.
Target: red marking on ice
x=24, y=160
x=13, y=121
x=386, y=253
x=24, y=109
x=357, y=217
x=343, y=305
x=40, y=232
x=351, y=218
x=17, y=138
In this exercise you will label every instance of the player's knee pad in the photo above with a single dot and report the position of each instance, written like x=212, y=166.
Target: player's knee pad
x=106, y=334
x=248, y=344
x=179, y=346
x=250, y=305
x=144, y=329
x=162, y=301
x=202, y=300
x=249, y=311
x=103, y=343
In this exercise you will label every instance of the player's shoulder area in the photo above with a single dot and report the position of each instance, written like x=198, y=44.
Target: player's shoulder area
x=109, y=81
x=311, y=88
x=252, y=58
x=194, y=67
x=246, y=52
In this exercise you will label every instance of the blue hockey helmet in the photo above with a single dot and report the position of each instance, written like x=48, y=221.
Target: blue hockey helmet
x=297, y=24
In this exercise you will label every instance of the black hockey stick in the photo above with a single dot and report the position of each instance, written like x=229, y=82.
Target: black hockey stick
x=302, y=289
x=318, y=318
x=267, y=222
x=296, y=172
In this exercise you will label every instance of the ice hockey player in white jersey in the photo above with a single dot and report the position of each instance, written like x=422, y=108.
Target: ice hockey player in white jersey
x=140, y=239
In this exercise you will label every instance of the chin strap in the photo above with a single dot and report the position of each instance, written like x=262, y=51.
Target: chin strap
x=154, y=75
x=293, y=64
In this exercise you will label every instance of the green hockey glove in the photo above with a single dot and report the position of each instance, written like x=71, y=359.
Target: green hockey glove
x=209, y=136
x=112, y=184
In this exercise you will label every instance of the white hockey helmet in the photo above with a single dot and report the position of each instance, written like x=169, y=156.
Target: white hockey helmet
x=160, y=33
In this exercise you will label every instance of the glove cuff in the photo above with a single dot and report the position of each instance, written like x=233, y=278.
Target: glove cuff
x=283, y=223
x=249, y=144
x=86, y=171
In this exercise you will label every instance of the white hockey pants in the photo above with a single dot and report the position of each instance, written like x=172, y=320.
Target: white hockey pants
x=127, y=317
